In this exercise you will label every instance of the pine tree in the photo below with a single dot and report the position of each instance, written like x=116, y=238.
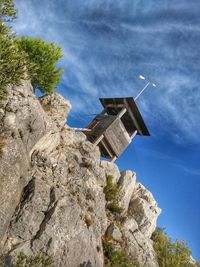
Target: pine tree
x=41, y=58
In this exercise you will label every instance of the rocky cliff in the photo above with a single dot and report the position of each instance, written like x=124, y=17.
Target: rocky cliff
x=52, y=189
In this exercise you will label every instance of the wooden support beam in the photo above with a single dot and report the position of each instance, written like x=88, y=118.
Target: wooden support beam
x=106, y=148
x=103, y=111
x=133, y=134
x=121, y=113
x=113, y=159
x=115, y=106
x=132, y=116
x=98, y=140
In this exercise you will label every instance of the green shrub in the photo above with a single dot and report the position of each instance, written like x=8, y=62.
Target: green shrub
x=90, y=209
x=111, y=192
x=79, y=201
x=116, y=258
x=171, y=254
x=40, y=260
x=72, y=192
x=89, y=221
x=114, y=207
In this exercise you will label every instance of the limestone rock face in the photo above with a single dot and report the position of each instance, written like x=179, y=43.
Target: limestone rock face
x=126, y=187
x=51, y=189
x=111, y=169
x=56, y=107
x=114, y=232
x=144, y=209
x=22, y=123
x=138, y=246
x=136, y=235
x=62, y=210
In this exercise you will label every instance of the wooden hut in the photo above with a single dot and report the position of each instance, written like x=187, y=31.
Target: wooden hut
x=115, y=127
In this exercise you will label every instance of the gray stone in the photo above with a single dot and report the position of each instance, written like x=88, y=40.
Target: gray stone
x=144, y=209
x=130, y=225
x=23, y=122
x=126, y=186
x=114, y=232
x=111, y=169
x=56, y=107
x=140, y=248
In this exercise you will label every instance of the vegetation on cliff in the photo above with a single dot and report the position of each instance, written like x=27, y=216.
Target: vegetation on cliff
x=12, y=61
x=24, y=57
x=41, y=59
x=116, y=258
x=171, y=254
x=7, y=10
x=111, y=191
x=39, y=260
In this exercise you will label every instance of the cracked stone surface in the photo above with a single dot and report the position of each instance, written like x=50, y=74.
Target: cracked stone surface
x=138, y=246
x=22, y=123
x=114, y=232
x=126, y=187
x=51, y=189
x=144, y=209
x=56, y=107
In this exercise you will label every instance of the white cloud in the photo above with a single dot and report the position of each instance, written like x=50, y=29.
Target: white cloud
x=105, y=55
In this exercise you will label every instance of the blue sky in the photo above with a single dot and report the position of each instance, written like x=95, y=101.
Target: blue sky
x=107, y=44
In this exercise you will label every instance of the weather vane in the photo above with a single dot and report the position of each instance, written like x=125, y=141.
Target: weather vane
x=145, y=87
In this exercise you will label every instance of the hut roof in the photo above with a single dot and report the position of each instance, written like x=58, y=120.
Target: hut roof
x=132, y=119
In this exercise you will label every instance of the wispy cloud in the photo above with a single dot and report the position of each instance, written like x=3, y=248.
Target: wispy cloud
x=107, y=44
x=161, y=28
x=191, y=171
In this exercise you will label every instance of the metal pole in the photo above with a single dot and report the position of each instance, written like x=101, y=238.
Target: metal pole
x=142, y=90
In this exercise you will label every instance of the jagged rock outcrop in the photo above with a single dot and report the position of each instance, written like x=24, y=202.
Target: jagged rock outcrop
x=126, y=188
x=51, y=189
x=111, y=169
x=56, y=108
x=144, y=209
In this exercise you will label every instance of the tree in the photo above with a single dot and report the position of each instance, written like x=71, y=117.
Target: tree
x=26, y=58
x=171, y=254
x=41, y=60
x=12, y=61
x=7, y=10
x=7, y=14
x=12, y=64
